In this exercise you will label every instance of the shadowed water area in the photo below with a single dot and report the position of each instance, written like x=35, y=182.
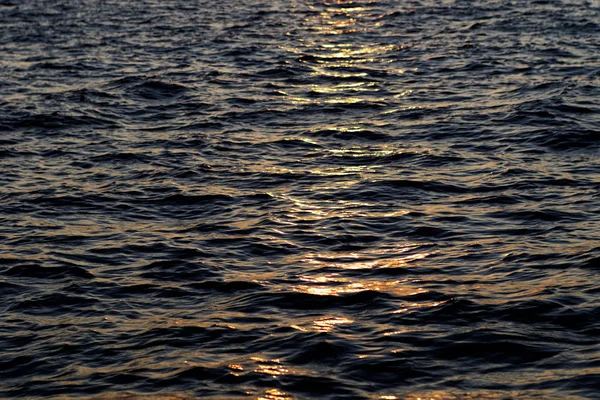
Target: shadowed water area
x=300, y=199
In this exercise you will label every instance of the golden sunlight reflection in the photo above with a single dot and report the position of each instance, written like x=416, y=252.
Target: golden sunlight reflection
x=335, y=286
x=270, y=367
x=361, y=152
x=411, y=306
x=341, y=17
x=274, y=370
x=274, y=394
x=354, y=87
x=235, y=367
x=369, y=260
x=307, y=210
x=346, y=71
x=478, y=395
x=336, y=100
x=327, y=324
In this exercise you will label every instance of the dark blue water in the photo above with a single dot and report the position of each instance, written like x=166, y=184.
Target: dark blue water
x=300, y=199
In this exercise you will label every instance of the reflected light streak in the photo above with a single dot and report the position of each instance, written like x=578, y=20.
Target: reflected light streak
x=342, y=58
x=270, y=367
x=412, y=306
x=274, y=394
x=348, y=87
x=477, y=395
x=273, y=370
x=334, y=74
x=336, y=286
x=327, y=324
x=336, y=100
x=397, y=262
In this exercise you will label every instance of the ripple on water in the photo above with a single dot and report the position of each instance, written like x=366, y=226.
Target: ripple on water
x=301, y=199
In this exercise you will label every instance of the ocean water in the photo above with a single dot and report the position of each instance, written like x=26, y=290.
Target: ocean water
x=300, y=199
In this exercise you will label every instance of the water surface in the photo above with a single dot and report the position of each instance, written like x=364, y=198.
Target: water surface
x=300, y=199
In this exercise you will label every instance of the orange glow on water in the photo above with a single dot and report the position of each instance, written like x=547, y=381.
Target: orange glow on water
x=274, y=394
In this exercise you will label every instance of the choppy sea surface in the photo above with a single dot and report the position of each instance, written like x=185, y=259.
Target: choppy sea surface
x=300, y=199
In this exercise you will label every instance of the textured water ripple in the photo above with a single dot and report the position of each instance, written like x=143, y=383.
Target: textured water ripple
x=302, y=199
